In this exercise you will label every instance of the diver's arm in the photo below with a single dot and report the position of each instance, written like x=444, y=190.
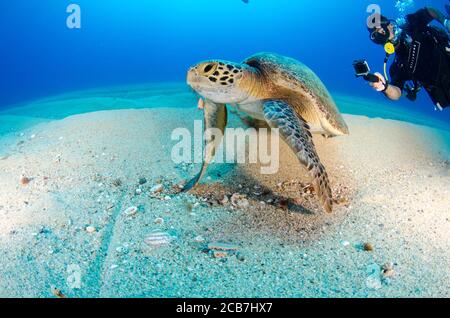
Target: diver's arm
x=438, y=16
x=393, y=92
x=390, y=91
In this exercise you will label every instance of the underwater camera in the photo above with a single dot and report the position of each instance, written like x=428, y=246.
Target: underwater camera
x=362, y=69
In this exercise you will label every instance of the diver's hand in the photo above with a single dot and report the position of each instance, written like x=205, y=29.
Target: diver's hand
x=380, y=85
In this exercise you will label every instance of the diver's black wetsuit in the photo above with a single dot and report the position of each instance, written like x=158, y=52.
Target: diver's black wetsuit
x=422, y=57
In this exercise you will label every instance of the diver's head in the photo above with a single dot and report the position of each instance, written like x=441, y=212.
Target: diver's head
x=219, y=81
x=384, y=32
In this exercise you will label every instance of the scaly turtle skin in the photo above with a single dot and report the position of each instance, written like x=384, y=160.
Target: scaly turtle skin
x=276, y=91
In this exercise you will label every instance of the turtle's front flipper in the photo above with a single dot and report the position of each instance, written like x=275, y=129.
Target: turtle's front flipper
x=215, y=117
x=295, y=131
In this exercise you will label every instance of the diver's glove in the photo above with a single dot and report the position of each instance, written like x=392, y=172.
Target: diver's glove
x=381, y=85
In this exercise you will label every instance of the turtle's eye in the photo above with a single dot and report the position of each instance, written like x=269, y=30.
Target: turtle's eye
x=208, y=68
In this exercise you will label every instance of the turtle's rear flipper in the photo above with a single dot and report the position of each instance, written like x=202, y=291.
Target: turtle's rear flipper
x=215, y=121
x=295, y=131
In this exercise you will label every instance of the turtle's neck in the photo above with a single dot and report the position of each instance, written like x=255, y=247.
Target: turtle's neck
x=254, y=84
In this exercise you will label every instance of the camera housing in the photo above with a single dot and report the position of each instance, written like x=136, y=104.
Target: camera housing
x=361, y=68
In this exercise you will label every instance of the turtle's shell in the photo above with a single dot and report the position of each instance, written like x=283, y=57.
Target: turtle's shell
x=288, y=79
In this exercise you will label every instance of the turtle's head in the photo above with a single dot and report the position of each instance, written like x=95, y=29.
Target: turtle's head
x=219, y=81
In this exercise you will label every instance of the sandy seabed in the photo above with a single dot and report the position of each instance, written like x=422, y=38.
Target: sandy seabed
x=388, y=237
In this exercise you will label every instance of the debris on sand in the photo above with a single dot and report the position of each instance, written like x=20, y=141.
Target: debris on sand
x=142, y=181
x=341, y=200
x=221, y=250
x=388, y=270
x=239, y=201
x=117, y=182
x=219, y=246
x=225, y=200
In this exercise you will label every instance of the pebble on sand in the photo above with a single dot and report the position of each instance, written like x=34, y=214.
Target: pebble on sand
x=91, y=229
x=368, y=247
x=24, y=180
x=142, y=181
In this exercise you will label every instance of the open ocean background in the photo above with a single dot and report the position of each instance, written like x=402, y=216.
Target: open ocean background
x=136, y=41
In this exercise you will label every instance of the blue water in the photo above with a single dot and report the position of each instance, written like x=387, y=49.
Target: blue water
x=137, y=41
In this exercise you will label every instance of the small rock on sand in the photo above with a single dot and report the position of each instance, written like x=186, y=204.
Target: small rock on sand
x=91, y=229
x=24, y=180
x=368, y=247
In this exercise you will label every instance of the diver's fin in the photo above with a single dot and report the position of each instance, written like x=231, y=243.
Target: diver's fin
x=215, y=121
x=295, y=131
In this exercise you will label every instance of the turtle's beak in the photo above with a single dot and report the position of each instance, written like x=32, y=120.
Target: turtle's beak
x=192, y=76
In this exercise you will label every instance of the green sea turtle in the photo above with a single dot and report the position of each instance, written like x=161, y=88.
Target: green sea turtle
x=278, y=91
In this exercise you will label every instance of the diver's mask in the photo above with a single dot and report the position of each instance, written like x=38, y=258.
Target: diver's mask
x=381, y=38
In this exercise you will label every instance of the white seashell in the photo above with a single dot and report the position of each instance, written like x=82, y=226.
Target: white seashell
x=131, y=211
x=158, y=239
x=90, y=229
x=199, y=239
x=157, y=188
x=159, y=221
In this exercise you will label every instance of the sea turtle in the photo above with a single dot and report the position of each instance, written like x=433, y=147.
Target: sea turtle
x=276, y=90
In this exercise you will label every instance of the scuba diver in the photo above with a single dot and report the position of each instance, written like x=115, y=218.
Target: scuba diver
x=422, y=57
